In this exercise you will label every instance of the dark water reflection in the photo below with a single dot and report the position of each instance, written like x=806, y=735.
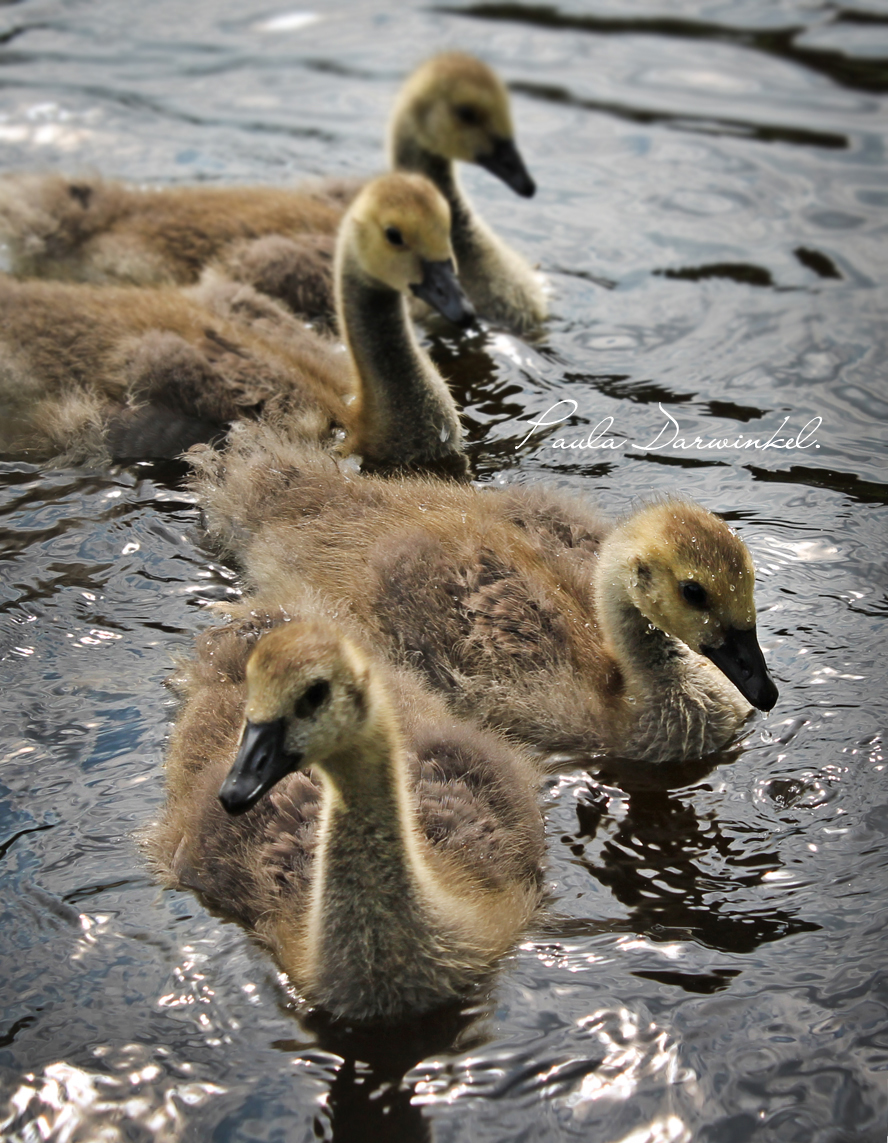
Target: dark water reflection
x=683, y=878
x=711, y=216
x=787, y=42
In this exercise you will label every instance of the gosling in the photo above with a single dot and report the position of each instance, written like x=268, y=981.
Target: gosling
x=392, y=854
x=453, y=107
x=92, y=372
x=524, y=607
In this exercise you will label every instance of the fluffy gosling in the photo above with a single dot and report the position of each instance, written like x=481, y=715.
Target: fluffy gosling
x=97, y=372
x=524, y=607
x=387, y=853
x=453, y=108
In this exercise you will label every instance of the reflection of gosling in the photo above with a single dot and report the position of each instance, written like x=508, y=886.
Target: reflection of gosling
x=132, y=373
x=391, y=880
x=523, y=606
x=452, y=108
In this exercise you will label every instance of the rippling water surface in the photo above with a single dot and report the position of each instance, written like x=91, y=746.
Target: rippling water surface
x=712, y=218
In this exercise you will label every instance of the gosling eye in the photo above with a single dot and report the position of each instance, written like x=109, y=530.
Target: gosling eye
x=394, y=235
x=312, y=698
x=467, y=115
x=694, y=593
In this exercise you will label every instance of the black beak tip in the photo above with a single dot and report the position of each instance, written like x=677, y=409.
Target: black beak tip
x=767, y=695
x=527, y=188
x=505, y=162
x=441, y=290
x=468, y=319
x=233, y=800
x=739, y=657
x=260, y=763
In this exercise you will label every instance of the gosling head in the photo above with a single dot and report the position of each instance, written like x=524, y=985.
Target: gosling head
x=398, y=228
x=456, y=107
x=692, y=577
x=308, y=697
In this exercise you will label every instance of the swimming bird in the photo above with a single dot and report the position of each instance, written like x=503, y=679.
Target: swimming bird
x=96, y=371
x=453, y=108
x=456, y=108
x=386, y=852
x=523, y=606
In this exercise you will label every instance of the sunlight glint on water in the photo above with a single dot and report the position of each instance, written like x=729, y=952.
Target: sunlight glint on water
x=710, y=217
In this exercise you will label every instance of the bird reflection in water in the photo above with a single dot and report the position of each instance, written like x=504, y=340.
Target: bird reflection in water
x=370, y=1098
x=683, y=876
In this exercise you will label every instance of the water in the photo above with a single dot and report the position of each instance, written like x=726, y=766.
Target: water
x=711, y=215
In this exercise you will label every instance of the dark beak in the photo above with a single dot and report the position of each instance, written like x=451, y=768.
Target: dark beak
x=261, y=762
x=505, y=162
x=741, y=659
x=441, y=289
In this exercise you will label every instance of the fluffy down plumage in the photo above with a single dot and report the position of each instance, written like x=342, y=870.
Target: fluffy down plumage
x=390, y=877
x=90, y=372
x=525, y=607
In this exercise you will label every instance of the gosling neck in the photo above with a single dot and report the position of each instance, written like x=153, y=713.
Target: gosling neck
x=407, y=154
x=406, y=416
x=650, y=660
x=370, y=932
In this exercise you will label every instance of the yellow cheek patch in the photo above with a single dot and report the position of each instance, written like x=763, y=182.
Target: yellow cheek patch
x=688, y=544
x=407, y=207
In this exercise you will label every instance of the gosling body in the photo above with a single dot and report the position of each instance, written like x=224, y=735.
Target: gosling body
x=121, y=372
x=282, y=241
x=387, y=853
x=524, y=607
x=89, y=374
x=97, y=230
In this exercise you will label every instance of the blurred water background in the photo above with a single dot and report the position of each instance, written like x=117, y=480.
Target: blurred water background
x=711, y=214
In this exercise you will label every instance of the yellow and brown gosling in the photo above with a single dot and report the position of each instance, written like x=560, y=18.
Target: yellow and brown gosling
x=453, y=108
x=387, y=853
x=523, y=606
x=456, y=108
x=121, y=372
